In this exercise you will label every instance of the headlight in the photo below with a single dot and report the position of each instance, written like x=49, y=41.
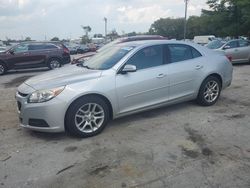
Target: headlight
x=44, y=95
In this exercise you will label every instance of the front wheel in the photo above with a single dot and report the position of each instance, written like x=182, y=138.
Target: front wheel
x=209, y=91
x=87, y=116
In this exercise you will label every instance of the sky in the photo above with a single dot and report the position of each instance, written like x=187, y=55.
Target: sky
x=45, y=19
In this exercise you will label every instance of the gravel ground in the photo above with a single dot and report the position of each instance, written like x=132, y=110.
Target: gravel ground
x=184, y=145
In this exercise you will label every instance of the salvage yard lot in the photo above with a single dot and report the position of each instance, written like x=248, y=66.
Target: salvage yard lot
x=184, y=145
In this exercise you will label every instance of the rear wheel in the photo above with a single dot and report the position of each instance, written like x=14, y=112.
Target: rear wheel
x=3, y=69
x=54, y=64
x=209, y=91
x=87, y=116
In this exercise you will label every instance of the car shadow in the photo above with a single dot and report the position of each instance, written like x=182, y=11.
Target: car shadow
x=49, y=136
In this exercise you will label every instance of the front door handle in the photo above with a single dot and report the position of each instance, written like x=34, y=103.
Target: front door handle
x=161, y=75
x=197, y=67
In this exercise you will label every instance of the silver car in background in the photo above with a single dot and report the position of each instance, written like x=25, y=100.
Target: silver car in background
x=125, y=79
x=238, y=51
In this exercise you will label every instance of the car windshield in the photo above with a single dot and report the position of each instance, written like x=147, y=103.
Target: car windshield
x=107, y=58
x=106, y=46
x=215, y=44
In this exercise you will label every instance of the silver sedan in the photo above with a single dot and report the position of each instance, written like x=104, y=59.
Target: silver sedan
x=125, y=79
x=238, y=51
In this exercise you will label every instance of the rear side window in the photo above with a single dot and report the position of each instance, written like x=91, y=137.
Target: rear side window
x=50, y=46
x=195, y=53
x=243, y=43
x=179, y=52
x=147, y=57
x=36, y=47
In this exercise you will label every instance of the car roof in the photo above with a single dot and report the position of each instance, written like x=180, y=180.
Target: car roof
x=141, y=37
x=153, y=42
x=144, y=43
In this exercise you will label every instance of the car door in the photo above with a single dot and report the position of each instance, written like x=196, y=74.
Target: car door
x=19, y=55
x=244, y=51
x=148, y=85
x=232, y=50
x=37, y=55
x=185, y=69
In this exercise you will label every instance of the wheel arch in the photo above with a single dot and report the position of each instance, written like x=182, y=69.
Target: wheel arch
x=54, y=57
x=217, y=75
x=5, y=64
x=107, y=101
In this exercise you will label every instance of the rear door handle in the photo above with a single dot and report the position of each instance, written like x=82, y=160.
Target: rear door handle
x=25, y=53
x=161, y=75
x=197, y=67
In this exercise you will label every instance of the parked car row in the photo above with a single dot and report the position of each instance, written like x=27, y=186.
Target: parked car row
x=81, y=48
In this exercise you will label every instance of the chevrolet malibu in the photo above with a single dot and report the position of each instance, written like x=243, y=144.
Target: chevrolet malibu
x=124, y=79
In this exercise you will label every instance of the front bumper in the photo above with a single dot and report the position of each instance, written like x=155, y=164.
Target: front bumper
x=52, y=112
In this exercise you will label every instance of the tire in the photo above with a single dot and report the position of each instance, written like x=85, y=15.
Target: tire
x=3, y=69
x=54, y=63
x=209, y=91
x=83, y=120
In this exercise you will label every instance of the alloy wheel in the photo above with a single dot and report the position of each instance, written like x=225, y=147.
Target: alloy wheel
x=89, y=117
x=211, y=91
x=2, y=69
x=54, y=64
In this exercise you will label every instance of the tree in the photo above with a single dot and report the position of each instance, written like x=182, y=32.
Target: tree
x=98, y=36
x=224, y=18
x=27, y=39
x=168, y=27
x=55, y=39
x=86, y=29
x=113, y=35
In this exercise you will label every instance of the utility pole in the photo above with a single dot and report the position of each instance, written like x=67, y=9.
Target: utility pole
x=185, y=21
x=105, y=20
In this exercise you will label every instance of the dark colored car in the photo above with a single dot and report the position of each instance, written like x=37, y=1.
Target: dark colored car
x=117, y=41
x=34, y=55
x=81, y=49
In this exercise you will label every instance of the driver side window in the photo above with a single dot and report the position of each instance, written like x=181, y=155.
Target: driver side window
x=147, y=57
x=233, y=44
x=20, y=48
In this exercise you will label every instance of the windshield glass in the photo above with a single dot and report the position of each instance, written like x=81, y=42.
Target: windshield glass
x=215, y=44
x=107, y=58
x=106, y=46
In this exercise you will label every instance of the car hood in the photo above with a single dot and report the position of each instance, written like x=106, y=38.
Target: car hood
x=61, y=77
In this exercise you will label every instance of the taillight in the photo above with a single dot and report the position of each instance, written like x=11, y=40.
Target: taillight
x=229, y=58
x=66, y=50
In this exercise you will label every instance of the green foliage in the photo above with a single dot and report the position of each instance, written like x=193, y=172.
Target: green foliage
x=55, y=39
x=85, y=39
x=224, y=18
x=168, y=27
x=27, y=39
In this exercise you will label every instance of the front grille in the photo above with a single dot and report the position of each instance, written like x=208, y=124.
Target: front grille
x=22, y=94
x=19, y=105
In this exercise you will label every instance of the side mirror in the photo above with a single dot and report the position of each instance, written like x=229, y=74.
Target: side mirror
x=226, y=47
x=128, y=68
